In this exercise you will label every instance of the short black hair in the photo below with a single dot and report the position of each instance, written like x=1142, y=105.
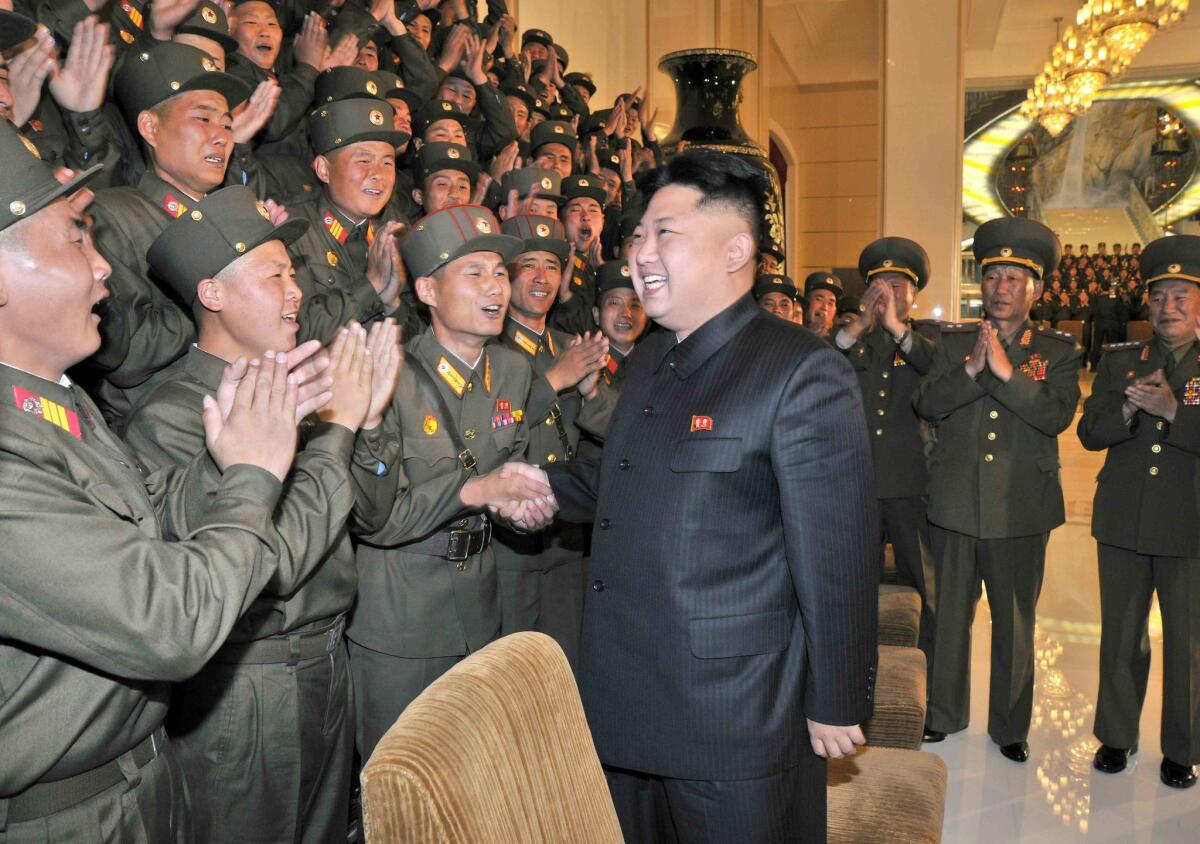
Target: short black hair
x=723, y=179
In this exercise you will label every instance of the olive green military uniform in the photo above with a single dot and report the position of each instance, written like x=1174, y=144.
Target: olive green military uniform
x=1146, y=521
x=822, y=280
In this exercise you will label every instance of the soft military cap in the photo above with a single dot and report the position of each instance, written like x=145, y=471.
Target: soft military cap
x=537, y=36
x=391, y=87
x=524, y=181
x=774, y=283
x=581, y=80
x=539, y=234
x=613, y=275
x=551, y=132
x=609, y=160
x=521, y=91
x=1172, y=259
x=15, y=29
x=822, y=281
x=149, y=77
x=222, y=227
x=895, y=255
x=209, y=21
x=586, y=186
x=353, y=121
x=770, y=246
x=596, y=121
x=1018, y=242
x=436, y=156
x=564, y=59
x=451, y=233
x=559, y=111
x=436, y=110
x=345, y=83
x=27, y=184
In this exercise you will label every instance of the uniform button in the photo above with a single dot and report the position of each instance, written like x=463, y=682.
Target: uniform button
x=605, y=524
x=671, y=364
x=469, y=433
x=597, y=585
x=885, y=376
x=470, y=386
x=553, y=458
x=647, y=411
x=881, y=411
x=549, y=422
x=623, y=465
x=988, y=458
x=1158, y=425
x=883, y=394
x=995, y=414
x=1153, y=470
x=879, y=432
x=1156, y=448
x=991, y=435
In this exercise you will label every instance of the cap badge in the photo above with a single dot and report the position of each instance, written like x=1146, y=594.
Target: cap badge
x=584, y=183
x=558, y=130
x=1174, y=268
x=376, y=117
x=453, y=153
x=543, y=230
x=209, y=15
x=1005, y=252
x=447, y=106
x=16, y=208
x=483, y=226
x=625, y=271
x=208, y=64
x=546, y=183
x=887, y=262
x=372, y=88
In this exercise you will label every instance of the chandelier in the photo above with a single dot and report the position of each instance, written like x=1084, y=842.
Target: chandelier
x=1107, y=35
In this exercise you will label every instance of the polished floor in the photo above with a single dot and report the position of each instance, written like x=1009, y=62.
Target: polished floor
x=1056, y=797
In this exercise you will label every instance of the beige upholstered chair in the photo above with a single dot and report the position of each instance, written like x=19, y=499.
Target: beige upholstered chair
x=899, y=716
x=885, y=796
x=1071, y=326
x=497, y=750
x=1138, y=330
x=899, y=615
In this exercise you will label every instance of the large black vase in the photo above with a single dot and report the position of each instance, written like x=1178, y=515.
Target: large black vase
x=708, y=94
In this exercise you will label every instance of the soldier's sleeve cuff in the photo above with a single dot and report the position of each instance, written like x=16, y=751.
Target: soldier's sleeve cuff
x=336, y=440
x=253, y=483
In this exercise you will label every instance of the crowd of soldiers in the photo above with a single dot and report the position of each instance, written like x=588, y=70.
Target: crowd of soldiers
x=245, y=527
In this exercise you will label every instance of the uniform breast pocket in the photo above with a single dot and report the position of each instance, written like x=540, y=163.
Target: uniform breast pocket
x=1048, y=464
x=112, y=500
x=707, y=454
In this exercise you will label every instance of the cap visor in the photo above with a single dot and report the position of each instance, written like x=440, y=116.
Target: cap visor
x=506, y=246
x=234, y=90
x=388, y=136
x=15, y=29
x=79, y=181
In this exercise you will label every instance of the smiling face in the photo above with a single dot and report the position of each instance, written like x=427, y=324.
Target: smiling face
x=360, y=177
x=447, y=129
x=779, y=304
x=368, y=57
x=904, y=291
x=458, y=91
x=443, y=189
x=191, y=135
x=820, y=310
x=467, y=299
x=556, y=157
x=1008, y=292
x=258, y=33
x=621, y=317
x=256, y=301
x=536, y=277
x=520, y=114
x=51, y=279
x=421, y=29
x=1174, y=307
x=584, y=221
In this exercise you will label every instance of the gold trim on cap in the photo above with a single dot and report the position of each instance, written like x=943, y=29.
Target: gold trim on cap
x=1009, y=259
x=889, y=267
x=1178, y=276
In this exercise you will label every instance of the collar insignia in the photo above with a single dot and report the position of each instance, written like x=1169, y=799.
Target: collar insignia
x=527, y=343
x=52, y=412
x=174, y=208
x=451, y=376
x=334, y=227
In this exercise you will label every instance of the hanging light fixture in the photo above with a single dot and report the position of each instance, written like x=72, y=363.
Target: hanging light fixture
x=1086, y=60
x=1127, y=25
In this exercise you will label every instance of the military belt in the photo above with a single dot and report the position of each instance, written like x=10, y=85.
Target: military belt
x=456, y=545
x=556, y=416
x=291, y=649
x=46, y=798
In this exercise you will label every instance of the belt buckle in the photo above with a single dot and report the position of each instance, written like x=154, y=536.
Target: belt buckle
x=458, y=548
x=554, y=413
x=467, y=459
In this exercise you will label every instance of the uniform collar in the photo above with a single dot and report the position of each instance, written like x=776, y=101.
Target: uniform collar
x=339, y=226
x=689, y=355
x=527, y=339
x=437, y=358
x=205, y=367
x=173, y=202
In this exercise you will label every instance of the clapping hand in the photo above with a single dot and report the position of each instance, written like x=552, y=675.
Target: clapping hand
x=351, y=368
x=387, y=357
x=260, y=428
x=1152, y=394
x=978, y=359
x=583, y=357
x=308, y=362
x=997, y=359
x=78, y=83
x=385, y=269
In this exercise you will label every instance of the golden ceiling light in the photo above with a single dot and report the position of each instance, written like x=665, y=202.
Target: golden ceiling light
x=1126, y=25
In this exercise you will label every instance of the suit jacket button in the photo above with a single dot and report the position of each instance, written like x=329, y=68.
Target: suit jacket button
x=647, y=411
x=597, y=585
x=623, y=465
x=605, y=524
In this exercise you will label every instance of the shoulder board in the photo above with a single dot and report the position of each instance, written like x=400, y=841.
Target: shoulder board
x=1058, y=335
x=927, y=322
x=959, y=327
x=1120, y=347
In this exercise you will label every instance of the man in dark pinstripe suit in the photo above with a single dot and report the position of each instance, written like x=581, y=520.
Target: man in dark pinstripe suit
x=729, y=637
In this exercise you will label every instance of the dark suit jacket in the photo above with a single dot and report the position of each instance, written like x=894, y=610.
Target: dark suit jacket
x=732, y=581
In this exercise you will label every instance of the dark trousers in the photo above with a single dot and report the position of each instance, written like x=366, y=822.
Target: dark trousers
x=1012, y=570
x=150, y=806
x=267, y=749
x=904, y=525
x=548, y=601
x=1103, y=331
x=1128, y=581
x=784, y=807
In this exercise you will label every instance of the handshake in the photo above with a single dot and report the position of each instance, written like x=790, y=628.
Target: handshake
x=517, y=493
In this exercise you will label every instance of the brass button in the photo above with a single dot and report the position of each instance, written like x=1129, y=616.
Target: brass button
x=549, y=422
x=991, y=435
x=879, y=432
x=1158, y=425
x=885, y=375
x=883, y=394
x=881, y=411
x=988, y=458
x=995, y=414
x=552, y=458
x=1153, y=470
x=1156, y=448
x=470, y=386
x=469, y=433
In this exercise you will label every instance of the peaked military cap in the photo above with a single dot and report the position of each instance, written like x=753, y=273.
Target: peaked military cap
x=564, y=59
x=526, y=179
x=537, y=36
x=151, y=76
x=560, y=111
x=540, y=106
x=209, y=21
x=551, y=132
x=27, y=184
x=895, y=255
x=539, y=234
x=774, y=283
x=521, y=91
x=1019, y=242
x=1172, y=259
x=15, y=29
x=345, y=83
x=609, y=159
x=436, y=110
x=585, y=186
x=353, y=121
x=769, y=246
x=596, y=121
x=581, y=80
x=631, y=217
x=222, y=227
x=822, y=281
x=436, y=156
x=357, y=22
x=391, y=87
x=451, y=233
x=613, y=275
x=849, y=305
